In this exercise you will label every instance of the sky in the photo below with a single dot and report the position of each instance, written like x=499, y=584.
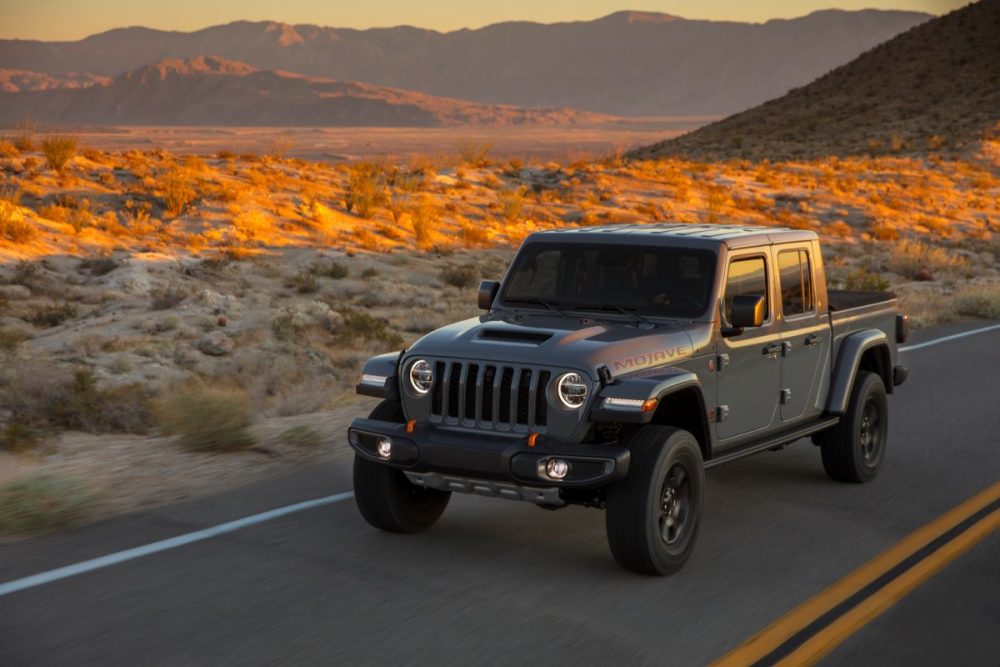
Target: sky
x=74, y=19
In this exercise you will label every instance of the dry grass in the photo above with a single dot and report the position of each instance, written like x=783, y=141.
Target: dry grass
x=40, y=502
x=207, y=420
x=58, y=151
x=979, y=301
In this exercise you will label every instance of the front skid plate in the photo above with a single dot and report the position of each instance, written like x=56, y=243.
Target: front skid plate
x=483, y=487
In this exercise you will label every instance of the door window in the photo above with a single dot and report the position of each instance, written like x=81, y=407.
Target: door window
x=746, y=276
x=796, y=283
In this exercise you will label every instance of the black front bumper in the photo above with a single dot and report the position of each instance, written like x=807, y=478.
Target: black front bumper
x=488, y=455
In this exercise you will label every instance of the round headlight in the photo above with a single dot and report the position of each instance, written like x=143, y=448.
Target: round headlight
x=421, y=376
x=572, y=390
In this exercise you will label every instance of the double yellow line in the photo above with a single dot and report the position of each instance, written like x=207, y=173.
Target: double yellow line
x=816, y=627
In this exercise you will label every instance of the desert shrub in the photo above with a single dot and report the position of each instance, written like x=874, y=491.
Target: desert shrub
x=251, y=225
x=52, y=396
x=42, y=502
x=97, y=266
x=10, y=194
x=979, y=301
x=80, y=216
x=14, y=226
x=883, y=231
x=461, y=276
x=11, y=339
x=511, y=201
x=358, y=324
x=303, y=282
x=908, y=258
x=370, y=272
x=365, y=189
x=166, y=298
x=475, y=153
x=178, y=191
x=58, y=151
x=19, y=438
x=207, y=420
x=425, y=218
x=51, y=315
x=473, y=235
x=24, y=135
x=303, y=436
x=333, y=270
x=865, y=281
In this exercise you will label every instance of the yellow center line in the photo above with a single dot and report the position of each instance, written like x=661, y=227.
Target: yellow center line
x=773, y=636
x=834, y=634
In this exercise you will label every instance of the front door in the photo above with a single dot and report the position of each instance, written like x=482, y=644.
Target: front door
x=805, y=334
x=749, y=364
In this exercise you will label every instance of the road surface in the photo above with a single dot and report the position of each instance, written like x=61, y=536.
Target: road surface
x=497, y=582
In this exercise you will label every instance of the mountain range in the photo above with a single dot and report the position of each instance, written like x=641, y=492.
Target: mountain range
x=628, y=63
x=935, y=87
x=213, y=91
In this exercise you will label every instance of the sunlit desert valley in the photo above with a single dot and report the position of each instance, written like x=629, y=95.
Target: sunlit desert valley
x=245, y=284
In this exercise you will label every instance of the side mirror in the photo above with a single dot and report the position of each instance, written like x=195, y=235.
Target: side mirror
x=487, y=293
x=748, y=313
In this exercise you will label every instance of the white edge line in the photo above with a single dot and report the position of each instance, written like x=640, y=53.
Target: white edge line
x=163, y=545
x=199, y=535
x=945, y=339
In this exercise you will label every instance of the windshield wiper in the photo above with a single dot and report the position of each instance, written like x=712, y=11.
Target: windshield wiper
x=540, y=302
x=624, y=311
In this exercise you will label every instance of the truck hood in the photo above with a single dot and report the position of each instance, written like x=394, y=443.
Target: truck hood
x=572, y=343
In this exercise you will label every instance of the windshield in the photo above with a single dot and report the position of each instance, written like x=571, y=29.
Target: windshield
x=665, y=282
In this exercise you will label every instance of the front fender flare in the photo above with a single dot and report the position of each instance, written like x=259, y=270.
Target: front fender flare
x=383, y=366
x=641, y=387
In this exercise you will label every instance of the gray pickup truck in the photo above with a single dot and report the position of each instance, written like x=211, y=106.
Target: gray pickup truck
x=614, y=365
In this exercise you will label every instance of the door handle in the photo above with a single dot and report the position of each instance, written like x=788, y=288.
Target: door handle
x=813, y=340
x=772, y=350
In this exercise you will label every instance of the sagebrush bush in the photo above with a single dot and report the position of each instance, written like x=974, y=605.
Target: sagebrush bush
x=979, y=301
x=207, y=420
x=52, y=396
x=178, y=191
x=908, y=258
x=365, y=189
x=358, y=324
x=52, y=315
x=475, y=153
x=13, y=225
x=41, y=502
x=511, y=203
x=865, y=281
x=461, y=276
x=58, y=151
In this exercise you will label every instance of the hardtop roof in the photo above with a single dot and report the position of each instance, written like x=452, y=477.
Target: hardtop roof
x=733, y=236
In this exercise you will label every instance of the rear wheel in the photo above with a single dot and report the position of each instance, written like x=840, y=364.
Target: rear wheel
x=653, y=515
x=385, y=498
x=854, y=449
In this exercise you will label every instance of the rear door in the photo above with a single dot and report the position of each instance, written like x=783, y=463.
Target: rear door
x=749, y=364
x=805, y=332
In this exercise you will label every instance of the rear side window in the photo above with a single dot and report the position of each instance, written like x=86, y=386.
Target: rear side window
x=746, y=276
x=796, y=283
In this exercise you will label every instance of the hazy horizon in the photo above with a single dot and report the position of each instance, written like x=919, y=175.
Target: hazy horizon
x=63, y=20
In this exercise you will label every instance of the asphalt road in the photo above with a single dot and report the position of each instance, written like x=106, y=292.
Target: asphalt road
x=497, y=582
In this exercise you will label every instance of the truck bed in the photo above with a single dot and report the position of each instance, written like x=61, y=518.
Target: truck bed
x=846, y=299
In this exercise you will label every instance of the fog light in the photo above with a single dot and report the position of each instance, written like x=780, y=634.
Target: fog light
x=384, y=447
x=557, y=468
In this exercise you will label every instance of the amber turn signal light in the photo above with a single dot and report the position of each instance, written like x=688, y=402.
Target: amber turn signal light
x=410, y=425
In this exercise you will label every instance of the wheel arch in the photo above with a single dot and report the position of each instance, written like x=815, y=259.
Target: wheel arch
x=861, y=351
x=684, y=408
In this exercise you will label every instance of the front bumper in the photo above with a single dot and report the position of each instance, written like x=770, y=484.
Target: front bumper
x=472, y=455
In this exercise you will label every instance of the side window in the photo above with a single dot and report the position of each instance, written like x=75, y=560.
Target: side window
x=746, y=276
x=796, y=282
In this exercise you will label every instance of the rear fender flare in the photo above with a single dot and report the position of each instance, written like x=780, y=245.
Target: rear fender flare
x=852, y=349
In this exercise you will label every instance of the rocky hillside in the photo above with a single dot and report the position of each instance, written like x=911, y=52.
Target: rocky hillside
x=214, y=91
x=628, y=63
x=18, y=80
x=935, y=87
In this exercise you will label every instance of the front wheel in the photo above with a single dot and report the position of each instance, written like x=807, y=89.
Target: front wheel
x=385, y=498
x=653, y=515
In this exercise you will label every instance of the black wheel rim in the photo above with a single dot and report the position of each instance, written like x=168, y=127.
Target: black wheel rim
x=675, y=505
x=871, y=433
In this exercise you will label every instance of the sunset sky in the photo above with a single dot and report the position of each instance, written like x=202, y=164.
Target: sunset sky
x=72, y=19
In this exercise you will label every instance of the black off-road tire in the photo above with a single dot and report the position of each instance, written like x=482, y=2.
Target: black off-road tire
x=854, y=449
x=385, y=498
x=638, y=521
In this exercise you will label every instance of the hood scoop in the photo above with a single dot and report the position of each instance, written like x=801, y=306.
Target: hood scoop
x=513, y=336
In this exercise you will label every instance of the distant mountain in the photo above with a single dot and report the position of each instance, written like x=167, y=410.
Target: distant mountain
x=17, y=80
x=628, y=63
x=936, y=86
x=215, y=91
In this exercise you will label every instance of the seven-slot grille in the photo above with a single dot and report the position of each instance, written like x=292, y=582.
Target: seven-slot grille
x=490, y=396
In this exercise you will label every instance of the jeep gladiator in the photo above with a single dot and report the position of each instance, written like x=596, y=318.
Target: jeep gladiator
x=614, y=365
